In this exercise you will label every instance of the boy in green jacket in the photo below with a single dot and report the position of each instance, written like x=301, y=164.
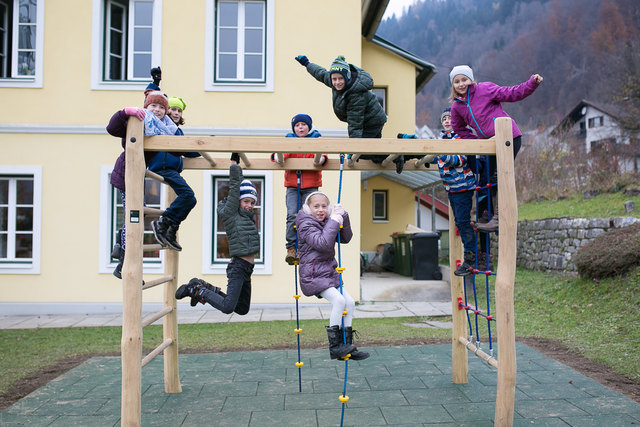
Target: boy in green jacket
x=236, y=212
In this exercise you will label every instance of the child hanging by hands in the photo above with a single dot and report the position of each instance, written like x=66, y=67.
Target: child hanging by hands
x=476, y=106
x=318, y=228
x=236, y=212
x=308, y=180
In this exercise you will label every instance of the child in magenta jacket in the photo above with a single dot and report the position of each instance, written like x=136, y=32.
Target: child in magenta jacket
x=476, y=106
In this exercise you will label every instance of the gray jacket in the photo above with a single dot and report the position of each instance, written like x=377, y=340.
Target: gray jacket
x=239, y=224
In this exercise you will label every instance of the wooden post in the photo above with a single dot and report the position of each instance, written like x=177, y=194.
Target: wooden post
x=170, y=321
x=131, y=345
x=508, y=206
x=459, y=358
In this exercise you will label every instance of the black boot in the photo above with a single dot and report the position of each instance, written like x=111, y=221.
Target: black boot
x=160, y=227
x=399, y=161
x=171, y=237
x=466, y=268
x=188, y=290
x=196, y=298
x=337, y=348
x=355, y=354
x=118, y=270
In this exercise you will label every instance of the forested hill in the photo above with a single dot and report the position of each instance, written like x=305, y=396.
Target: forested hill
x=584, y=49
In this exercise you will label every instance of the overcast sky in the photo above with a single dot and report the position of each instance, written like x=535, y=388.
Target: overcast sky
x=397, y=7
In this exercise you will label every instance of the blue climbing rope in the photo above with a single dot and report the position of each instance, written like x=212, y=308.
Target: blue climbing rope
x=298, y=330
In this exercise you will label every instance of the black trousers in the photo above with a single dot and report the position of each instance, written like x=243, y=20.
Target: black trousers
x=238, y=296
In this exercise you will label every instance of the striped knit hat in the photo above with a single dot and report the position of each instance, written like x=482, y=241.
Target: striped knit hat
x=248, y=190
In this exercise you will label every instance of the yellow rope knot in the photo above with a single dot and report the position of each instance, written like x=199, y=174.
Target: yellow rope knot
x=299, y=364
x=340, y=269
x=297, y=331
x=297, y=296
x=343, y=398
x=347, y=357
x=344, y=313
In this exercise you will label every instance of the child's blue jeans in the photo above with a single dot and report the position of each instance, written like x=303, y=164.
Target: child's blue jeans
x=292, y=210
x=185, y=200
x=461, y=203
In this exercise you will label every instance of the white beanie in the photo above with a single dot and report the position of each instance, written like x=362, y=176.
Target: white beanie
x=465, y=70
x=248, y=190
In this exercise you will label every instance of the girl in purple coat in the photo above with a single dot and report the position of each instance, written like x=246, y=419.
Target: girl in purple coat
x=476, y=106
x=318, y=227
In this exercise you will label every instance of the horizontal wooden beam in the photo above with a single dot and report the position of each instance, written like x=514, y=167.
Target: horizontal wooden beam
x=302, y=164
x=258, y=144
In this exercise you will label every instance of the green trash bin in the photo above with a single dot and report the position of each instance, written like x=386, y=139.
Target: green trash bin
x=402, y=254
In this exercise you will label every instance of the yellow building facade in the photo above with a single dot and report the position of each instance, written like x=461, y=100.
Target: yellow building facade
x=56, y=155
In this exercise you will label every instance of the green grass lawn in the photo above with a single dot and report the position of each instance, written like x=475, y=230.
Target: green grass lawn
x=596, y=319
x=602, y=206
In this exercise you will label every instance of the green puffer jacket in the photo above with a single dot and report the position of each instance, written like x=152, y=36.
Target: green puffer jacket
x=355, y=104
x=239, y=224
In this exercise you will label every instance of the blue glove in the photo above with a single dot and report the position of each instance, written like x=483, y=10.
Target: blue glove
x=407, y=136
x=303, y=60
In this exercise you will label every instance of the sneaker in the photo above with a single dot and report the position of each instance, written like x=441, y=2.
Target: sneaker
x=196, y=298
x=160, y=227
x=171, y=238
x=292, y=256
x=464, y=269
x=188, y=290
x=118, y=270
x=492, y=225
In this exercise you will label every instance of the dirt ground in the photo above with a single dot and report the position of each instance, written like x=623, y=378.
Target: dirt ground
x=594, y=370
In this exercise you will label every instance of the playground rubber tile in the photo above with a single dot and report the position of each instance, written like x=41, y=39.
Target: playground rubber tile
x=409, y=414
x=254, y=403
x=298, y=418
x=260, y=374
x=555, y=376
x=85, y=420
x=484, y=393
x=408, y=370
x=7, y=420
x=361, y=370
x=359, y=399
x=179, y=404
x=433, y=397
x=71, y=407
x=539, y=422
x=476, y=423
x=560, y=391
x=394, y=383
x=352, y=417
x=606, y=405
x=472, y=411
x=312, y=401
x=611, y=420
x=547, y=408
x=444, y=381
x=217, y=419
x=593, y=388
x=314, y=373
x=235, y=388
x=337, y=385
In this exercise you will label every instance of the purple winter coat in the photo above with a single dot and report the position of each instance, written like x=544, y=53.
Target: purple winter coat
x=118, y=127
x=481, y=106
x=317, y=241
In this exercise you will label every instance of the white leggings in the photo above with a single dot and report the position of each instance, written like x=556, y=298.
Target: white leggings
x=339, y=302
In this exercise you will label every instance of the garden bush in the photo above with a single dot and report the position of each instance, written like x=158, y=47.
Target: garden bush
x=610, y=254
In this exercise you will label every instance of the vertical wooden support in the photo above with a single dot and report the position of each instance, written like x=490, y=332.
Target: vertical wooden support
x=459, y=356
x=508, y=206
x=131, y=345
x=170, y=321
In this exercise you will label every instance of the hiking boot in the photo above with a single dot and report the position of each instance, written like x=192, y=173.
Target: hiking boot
x=160, y=227
x=337, y=348
x=399, y=161
x=292, y=256
x=355, y=354
x=171, y=237
x=466, y=268
x=196, y=298
x=492, y=225
x=188, y=290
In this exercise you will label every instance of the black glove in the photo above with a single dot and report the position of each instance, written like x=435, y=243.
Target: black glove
x=235, y=157
x=156, y=74
x=303, y=60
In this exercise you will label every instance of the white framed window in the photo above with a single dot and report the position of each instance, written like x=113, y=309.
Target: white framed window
x=595, y=122
x=20, y=219
x=126, y=43
x=112, y=219
x=380, y=211
x=21, y=43
x=381, y=95
x=239, y=39
x=215, y=245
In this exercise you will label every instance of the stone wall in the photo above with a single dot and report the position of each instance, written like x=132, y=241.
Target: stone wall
x=549, y=244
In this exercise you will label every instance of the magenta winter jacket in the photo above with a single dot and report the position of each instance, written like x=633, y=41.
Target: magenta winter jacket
x=316, y=243
x=481, y=106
